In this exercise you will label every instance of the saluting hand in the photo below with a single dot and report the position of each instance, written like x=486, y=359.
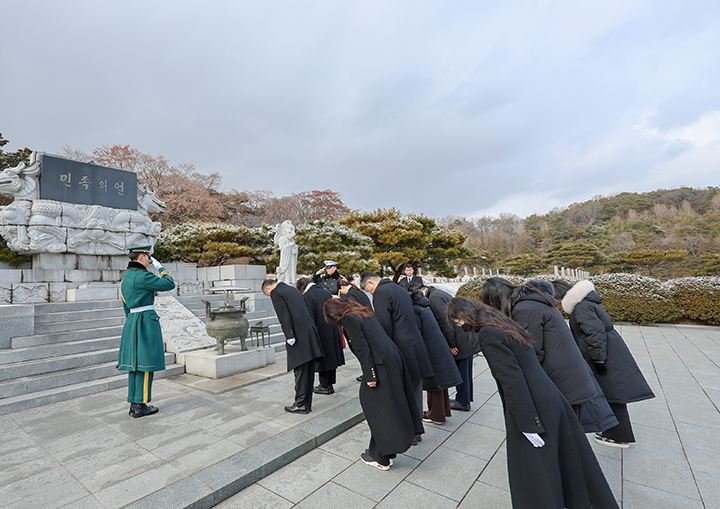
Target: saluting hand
x=155, y=263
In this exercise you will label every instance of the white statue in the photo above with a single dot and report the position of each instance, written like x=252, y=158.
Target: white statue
x=285, y=240
x=31, y=225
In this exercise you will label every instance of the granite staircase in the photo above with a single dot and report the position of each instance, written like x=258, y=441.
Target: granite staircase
x=74, y=349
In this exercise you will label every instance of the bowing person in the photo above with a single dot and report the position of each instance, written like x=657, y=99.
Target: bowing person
x=533, y=307
x=386, y=393
x=446, y=371
x=606, y=352
x=550, y=462
x=301, y=336
x=329, y=334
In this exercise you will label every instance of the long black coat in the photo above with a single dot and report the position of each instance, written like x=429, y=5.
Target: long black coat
x=390, y=407
x=296, y=322
x=329, y=333
x=446, y=371
x=358, y=296
x=562, y=473
x=467, y=343
x=554, y=344
x=600, y=342
x=394, y=309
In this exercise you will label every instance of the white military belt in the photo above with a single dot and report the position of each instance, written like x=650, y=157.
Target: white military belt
x=142, y=308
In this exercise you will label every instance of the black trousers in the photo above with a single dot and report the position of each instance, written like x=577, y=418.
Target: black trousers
x=327, y=378
x=622, y=432
x=465, y=390
x=418, y=390
x=304, y=378
x=375, y=453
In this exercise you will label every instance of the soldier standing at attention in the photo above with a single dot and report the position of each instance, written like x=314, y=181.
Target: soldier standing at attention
x=141, y=347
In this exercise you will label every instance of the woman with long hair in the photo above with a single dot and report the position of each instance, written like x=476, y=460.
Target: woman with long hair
x=386, y=391
x=550, y=462
x=532, y=306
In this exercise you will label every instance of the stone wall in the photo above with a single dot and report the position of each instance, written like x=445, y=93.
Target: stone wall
x=28, y=286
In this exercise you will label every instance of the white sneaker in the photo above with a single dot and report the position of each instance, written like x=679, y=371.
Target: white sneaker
x=368, y=460
x=609, y=441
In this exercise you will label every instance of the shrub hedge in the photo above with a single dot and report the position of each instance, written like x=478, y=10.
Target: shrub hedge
x=640, y=299
x=698, y=298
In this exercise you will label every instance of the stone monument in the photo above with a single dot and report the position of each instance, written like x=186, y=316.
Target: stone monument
x=80, y=211
x=285, y=240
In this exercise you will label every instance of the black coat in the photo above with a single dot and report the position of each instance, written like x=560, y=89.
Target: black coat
x=406, y=283
x=329, y=333
x=467, y=343
x=296, y=322
x=446, y=371
x=562, y=473
x=393, y=307
x=390, y=407
x=358, y=296
x=329, y=283
x=600, y=342
x=554, y=344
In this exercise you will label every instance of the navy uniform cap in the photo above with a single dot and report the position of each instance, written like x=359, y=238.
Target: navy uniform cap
x=330, y=263
x=140, y=249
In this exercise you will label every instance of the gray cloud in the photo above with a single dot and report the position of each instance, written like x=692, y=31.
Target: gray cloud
x=442, y=108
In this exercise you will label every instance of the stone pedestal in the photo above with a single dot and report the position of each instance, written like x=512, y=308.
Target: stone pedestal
x=210, y=365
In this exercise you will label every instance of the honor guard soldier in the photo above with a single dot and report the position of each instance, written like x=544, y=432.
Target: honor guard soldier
x=329, y=280
x=141, y=347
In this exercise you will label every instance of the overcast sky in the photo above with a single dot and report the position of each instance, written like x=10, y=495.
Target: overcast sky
x=451, y=107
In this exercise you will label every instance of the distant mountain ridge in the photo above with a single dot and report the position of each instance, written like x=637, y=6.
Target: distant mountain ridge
x=681, y=224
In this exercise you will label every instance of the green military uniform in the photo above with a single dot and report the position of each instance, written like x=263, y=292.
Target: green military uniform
x=141, y=347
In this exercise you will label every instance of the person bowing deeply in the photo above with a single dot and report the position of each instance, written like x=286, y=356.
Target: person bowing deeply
x=550, y=462
x=386, y=394
x=301, y=336
x=329, y=334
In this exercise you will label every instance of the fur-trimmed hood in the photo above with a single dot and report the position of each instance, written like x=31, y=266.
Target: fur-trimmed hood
x=527, y=290
x=576, y=294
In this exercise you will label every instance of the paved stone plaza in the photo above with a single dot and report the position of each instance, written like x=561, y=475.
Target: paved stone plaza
x=203, y=447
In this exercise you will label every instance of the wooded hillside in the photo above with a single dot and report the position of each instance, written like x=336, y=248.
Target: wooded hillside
x=663, y=233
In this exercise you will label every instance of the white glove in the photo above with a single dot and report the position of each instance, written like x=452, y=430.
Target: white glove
x=320, y=271
x=155, y=263
x=534, y=439
x=291, y=341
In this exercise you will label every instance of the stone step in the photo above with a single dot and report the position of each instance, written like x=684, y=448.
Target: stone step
x=85, y=314
x=65, y=307
x=65, y=337
x=58, y=349
x=37, y=383
x=40, y=366
x=77, y=325
x=31, y=400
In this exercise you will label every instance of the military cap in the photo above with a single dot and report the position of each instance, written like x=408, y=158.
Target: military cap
x=140, y=249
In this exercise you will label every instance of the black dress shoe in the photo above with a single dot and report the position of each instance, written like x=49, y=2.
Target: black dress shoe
x=454, y=405
x=359, y=378
x=141, y=410
x=297, y=409
x=319, y=389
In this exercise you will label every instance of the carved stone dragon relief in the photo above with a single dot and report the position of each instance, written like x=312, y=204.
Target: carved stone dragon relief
x=31, y=225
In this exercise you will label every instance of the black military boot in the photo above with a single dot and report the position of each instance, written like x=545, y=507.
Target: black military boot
x=141, y=410
x=132, y=408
